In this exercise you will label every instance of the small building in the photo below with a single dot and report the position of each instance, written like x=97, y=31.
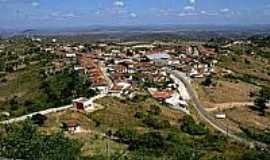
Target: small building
x=158, y=56
x=160, y=95
x=71, y=55
x=220, y=116
x=81, y=103
x=118, y=89
x=72, y=126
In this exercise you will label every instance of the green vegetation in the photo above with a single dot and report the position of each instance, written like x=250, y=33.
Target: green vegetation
x=251, y=68
x=62, y=88
x=155, y=144
x=156, y=122
x=54, y=91
x=257, y=135
x=24, y=142
x=137, y=125
x=191, y=127
x=207, y=82
x=256, y=155
x=262, y=99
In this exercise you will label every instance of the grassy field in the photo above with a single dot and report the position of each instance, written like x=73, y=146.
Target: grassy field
x=119, y=114
x=22, y=86
x=239, y=116
x=93, y=140
x=116, y=114
x=249, y=68
x=225, y=91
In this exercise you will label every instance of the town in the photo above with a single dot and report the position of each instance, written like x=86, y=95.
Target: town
x=134, y=80
x=122, y=70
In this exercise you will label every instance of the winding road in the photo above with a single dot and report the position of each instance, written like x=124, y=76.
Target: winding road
x=206, y=116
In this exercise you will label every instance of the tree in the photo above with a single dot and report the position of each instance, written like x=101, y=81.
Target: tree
x=155, y=110
x=156, y=123
x=127, y=135
x=38, y=119
x=261, y=100
x=208, y=81
x=256, y=155
x=191, y=127
x=24, y=142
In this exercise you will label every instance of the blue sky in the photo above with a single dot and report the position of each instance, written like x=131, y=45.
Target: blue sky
x=80, y=13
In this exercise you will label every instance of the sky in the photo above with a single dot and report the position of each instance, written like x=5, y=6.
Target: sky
x=83, y=13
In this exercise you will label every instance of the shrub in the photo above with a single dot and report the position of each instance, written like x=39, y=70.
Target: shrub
x=156, y=123
x=140, y=115
x=126, y=135
x=189, y=126
x=155, y=110
x=25, y=142
x=38, y=119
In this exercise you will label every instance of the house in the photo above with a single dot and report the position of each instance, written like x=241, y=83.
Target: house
x=158, y=56
x=71, y=55
x=160, y=95
x=118, y=89
x=72, y=126
x=81, y=103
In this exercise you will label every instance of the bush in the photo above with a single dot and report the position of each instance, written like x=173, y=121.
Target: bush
x=38, y=119
x=155, y=110
x=152, y=142
x=156, y=123
x=126, y=135
x=140, y=115
x=256, y=155
x=207, y=82
x=189, y=126
x=24, y=142
x=257, y=135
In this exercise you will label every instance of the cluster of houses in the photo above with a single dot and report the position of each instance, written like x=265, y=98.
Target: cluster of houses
x=122, y=70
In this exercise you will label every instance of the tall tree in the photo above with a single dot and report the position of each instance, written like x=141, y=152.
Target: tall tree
x=262, y=99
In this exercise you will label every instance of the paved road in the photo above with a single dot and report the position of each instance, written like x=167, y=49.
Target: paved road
x=48, y=111
x=208, y=117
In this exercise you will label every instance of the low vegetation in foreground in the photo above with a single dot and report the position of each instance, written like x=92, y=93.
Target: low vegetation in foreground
x=122, y=130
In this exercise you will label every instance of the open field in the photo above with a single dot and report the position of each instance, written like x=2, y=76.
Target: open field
x=93, y=140
x=239, y=116
x=249, y=68
x=225, y=92
x=119, y=114
x=21, y=86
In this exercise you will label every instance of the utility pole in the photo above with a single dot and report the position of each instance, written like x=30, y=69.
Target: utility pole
x=108, y=151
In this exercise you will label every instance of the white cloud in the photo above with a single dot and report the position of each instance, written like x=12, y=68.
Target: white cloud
x=192, y=1
x=183, y=14
x=119, y=3
x=35, y=4
x=203, y=12
x=98, y=12
x=63, y=15
x=133, y=15
x=207, y=13
x=69, y=15
x=189, y=8
x=225, y=10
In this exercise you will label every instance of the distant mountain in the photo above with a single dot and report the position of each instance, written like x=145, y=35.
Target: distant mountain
x=191, y=31
x=29, y=31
